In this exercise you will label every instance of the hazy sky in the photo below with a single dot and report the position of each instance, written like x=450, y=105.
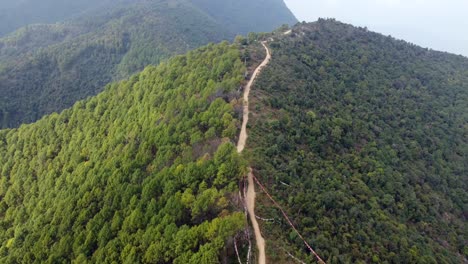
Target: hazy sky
x=437, y=24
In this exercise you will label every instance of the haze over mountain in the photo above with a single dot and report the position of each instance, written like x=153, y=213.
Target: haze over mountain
x=18, y=13
x=240, y=16
x=145, y=172
x=244, y=16
x=47, y=67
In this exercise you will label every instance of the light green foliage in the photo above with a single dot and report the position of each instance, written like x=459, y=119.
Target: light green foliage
x=117, y=178
x=369, y=134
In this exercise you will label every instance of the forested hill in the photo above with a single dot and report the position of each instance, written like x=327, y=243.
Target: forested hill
x=47, y=67
x=363, y=139
x=145, y=172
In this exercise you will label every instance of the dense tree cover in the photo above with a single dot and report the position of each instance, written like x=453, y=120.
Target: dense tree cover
x=363, y=139
x=145, y=172
x=46, y=68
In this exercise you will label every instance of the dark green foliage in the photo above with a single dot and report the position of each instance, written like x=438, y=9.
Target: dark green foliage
x=47, y=68
x=369, y=137
x=141, y=173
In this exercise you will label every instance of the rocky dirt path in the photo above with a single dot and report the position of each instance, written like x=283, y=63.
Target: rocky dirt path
x=250, y=196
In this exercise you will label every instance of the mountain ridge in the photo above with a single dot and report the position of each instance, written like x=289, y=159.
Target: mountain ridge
x=144, y=172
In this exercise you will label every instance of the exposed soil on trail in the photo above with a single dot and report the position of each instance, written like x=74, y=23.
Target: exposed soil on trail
x=245, y=119
x=250, y=196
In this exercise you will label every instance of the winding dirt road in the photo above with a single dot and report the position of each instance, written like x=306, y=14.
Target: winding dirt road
x=245, y=119
x=250, y=197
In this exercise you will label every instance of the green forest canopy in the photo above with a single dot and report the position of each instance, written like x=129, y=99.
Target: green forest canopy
x=363, y=138
x=47, y=68
x=142, y=173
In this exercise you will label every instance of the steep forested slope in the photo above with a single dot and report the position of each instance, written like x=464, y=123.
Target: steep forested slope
x=46, y=68
x=142, y=173
x=363, y=139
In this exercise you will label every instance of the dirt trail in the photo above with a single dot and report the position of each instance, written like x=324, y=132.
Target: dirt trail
x=245, y=119
x=251, y=208
x=250, y=197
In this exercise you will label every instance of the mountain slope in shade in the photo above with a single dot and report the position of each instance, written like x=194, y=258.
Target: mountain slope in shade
x=240, y=16
x=362, y=139
x=145, y=172
x=46, y=68
x=244, y=16
x=18, y=13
